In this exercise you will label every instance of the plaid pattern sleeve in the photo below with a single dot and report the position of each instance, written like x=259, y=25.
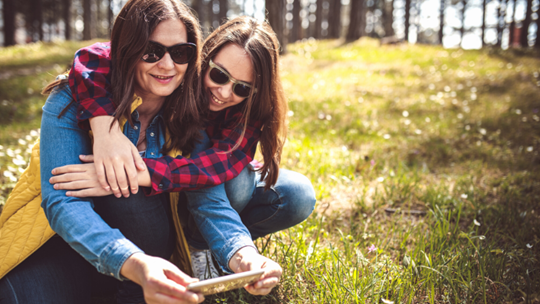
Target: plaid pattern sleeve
x=210, y=167
x=90, y=81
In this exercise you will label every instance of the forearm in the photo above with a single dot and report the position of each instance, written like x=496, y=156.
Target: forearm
x=74, y=218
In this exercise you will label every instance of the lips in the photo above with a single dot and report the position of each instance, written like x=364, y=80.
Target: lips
x=215, y=99
x=162, y=77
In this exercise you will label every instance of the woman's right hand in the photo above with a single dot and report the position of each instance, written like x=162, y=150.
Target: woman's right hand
x=115, y=157
x=162, y=282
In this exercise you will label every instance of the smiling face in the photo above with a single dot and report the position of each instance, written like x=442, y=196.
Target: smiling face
x=235, y=61
x=155, y=81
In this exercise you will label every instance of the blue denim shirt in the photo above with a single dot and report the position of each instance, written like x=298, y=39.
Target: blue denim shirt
x=74, y=219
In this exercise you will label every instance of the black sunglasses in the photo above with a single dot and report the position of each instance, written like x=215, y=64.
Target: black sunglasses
x=220, y=76
x=180, y=53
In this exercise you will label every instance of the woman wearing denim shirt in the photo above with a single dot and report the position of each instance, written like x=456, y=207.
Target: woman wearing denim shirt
x=127, y=240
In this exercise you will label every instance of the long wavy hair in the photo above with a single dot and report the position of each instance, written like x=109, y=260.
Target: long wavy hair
x=267, y=105
x=129, y=39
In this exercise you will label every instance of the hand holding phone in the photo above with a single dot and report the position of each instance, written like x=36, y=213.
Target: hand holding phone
x=226, y=283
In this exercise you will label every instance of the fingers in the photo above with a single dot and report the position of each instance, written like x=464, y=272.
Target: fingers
x=179, y=277
x=76, y=185
x=101, y=176
x=87, y=158
x=92, y=192
x=121, y=180
x=111, y=179
x=139, y=163
x=179, y=292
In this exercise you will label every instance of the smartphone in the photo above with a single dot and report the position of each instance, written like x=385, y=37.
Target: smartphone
x=226, y=283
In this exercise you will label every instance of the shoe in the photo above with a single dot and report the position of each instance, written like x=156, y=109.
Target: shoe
x=202, y=264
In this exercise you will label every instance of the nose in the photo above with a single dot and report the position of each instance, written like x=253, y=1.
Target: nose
x=226, y=90
x=166, y=62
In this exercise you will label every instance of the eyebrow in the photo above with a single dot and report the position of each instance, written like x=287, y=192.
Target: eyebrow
x=221, y=66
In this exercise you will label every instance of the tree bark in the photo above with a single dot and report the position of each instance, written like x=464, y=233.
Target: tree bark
x=513, y=25
x=319, y=20
x=110, y=18
x=484, y=16
x=37, y=10
x=334, y=19
x=407, y=19
x=8, y=15
x=442, y=8
x=462, y=28
x=537, y=42
x=523, y=39
x=89, y=29
x=276, y=18
x=223, y=9
x=296, y=30
x=388, y=17
x=501, y=21
x=66, y=15
x=357, y=14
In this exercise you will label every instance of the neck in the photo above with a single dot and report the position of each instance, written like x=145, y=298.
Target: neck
x=150, y=106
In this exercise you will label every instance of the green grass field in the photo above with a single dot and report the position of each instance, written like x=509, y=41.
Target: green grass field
x=425, y=163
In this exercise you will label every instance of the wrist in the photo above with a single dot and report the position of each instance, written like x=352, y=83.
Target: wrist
x=241, y=254
x=133, y=267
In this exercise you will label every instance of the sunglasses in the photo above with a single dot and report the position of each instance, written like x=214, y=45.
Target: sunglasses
x=219, y=76
x=180, y=53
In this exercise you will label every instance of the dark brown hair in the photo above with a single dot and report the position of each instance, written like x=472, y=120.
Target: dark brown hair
x=267, y=105
x=129, y=39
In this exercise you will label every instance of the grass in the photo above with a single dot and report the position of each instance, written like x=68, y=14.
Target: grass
x=446, y=139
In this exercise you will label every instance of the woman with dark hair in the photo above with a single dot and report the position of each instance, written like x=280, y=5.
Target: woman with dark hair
x=128, y=240
x=242, y=90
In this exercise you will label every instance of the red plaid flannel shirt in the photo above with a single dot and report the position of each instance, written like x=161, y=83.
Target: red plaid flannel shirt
x=89, y=80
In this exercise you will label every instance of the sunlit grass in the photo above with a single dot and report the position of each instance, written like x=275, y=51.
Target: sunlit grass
x=426, y=168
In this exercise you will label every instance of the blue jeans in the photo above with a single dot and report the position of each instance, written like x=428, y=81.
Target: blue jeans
x=229, y=216
x=103, y=231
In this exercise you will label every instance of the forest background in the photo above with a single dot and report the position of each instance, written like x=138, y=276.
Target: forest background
x=417, y=122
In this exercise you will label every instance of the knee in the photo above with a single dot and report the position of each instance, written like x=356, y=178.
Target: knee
x=298, y=196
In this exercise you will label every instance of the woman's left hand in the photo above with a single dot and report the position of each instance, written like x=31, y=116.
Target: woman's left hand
x=247, y=258
x=81, y=177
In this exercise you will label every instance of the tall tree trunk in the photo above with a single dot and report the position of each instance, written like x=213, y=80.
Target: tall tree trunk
x=223, y=9
x=89, y=30
x=110, y=18
x=8, y=15
x=99, y=28
x=484, y=17
x=537, y=42
x=334, y=19
x=66, y=15
x=357, y=14
x=296, y=30
x=462, y=28
x=523, y=39
x=442, y=8
x=513, y=25
x=407, y=18
x=500, y=21
x=276, y=18
x=37, y=11
x=388, y=17
x=319, y=20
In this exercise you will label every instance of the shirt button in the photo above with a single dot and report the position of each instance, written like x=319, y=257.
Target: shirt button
x=112, y=274
x=136, y=128
x=152, y=134
x=81, y=112
x=151, y=153
x=160, y=186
